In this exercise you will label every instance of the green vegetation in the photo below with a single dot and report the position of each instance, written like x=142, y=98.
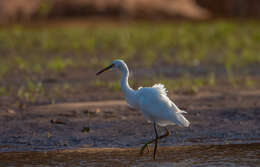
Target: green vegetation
x=36, y=52
x=190, y=44
x=31, y=91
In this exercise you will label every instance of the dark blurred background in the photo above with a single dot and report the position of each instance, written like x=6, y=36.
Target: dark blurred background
x=188, y=45
x=27, y=10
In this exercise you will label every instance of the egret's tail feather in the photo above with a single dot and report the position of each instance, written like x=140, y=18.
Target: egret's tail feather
x=182, y=121
x=182, y=112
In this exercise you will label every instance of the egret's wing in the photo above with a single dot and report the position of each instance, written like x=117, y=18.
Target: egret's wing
x=154, y=103
x=157, y=107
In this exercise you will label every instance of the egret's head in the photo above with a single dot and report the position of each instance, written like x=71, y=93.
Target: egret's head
x=117, y=64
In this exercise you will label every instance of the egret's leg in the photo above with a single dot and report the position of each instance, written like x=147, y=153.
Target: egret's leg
x=156, y=140
x=167, y=133
x=148, y=150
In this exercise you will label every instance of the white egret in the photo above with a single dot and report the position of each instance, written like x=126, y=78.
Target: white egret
x=153, y=103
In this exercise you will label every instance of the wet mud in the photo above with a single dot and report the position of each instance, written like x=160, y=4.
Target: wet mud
x=216, y=118
x=224, y=130
x=211, y=155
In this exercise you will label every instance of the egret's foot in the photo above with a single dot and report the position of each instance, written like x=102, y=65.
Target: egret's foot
x=146, y=145
x=142, y=149
x=148, y=150
x=167, y=133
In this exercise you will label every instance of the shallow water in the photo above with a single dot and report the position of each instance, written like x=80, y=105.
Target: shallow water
x=205, y=155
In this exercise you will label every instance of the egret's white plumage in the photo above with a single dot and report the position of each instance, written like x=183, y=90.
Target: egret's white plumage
x=157, y=107
x=153, y=102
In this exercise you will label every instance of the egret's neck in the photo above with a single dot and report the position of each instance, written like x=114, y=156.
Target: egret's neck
x=124, y=81
x=130, y=94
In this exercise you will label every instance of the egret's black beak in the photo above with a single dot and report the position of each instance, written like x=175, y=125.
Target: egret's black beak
x=112, y=65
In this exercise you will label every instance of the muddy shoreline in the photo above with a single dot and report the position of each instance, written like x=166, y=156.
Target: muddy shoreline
x=216, y=118
x=210, y=155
